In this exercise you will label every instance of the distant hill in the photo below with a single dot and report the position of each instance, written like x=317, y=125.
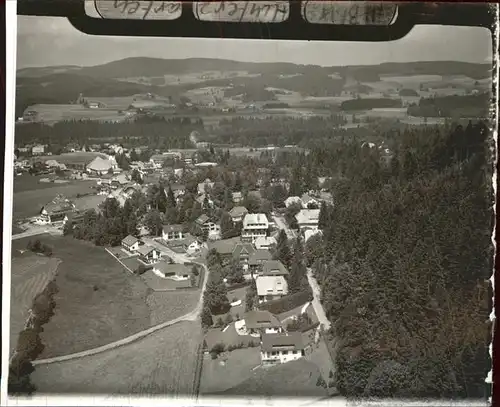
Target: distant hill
x=63, y=84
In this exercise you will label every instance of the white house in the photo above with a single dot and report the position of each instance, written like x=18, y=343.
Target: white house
x=308, y=219
x=178, y=272
x=265, y=242
x=131, y=243
x=281, y=347
x=292, y=200
x=100, y=166
x=308, y=233
x=172, y=232
x=212, y=228
x=237, y=197
x=238, y=213
x=254, y=225
x=149, y=254
x=271, y=288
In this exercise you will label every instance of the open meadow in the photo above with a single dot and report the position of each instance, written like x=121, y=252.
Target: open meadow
x=55, y=113
x=30, y=274
x=97, y=302
x=161, y=363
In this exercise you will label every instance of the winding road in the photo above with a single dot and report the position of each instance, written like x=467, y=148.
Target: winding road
x=190, y=316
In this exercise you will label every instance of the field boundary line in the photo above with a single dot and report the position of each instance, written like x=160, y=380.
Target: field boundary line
x=118, y=260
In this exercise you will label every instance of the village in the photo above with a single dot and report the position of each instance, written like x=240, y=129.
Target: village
x=262, y=312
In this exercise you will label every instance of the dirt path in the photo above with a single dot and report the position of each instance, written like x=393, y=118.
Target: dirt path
x=316, y=302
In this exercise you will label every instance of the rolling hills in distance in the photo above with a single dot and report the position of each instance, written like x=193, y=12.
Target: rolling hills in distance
x=173, y=77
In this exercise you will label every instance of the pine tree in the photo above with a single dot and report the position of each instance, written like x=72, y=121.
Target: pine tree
x=324, y=216
x=283, y=252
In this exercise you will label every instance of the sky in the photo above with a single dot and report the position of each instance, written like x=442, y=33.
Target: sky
x=49, y=41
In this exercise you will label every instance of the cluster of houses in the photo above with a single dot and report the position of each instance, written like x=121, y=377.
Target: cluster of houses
x=162, y=266
x=277, y=345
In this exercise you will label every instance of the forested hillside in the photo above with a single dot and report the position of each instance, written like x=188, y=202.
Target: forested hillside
x=403, y=264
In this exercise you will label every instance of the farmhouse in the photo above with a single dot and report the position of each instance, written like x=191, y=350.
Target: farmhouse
x=148, y=254
x=262, y=322
x=56, y=210
x=224, y=247
x=308, y=219
x=74, y=217
x=271, y=288
x=265, y=242
x=172, y=232
x=238, y=213
x=254, y=225
x=281, y=347
x=131, y=243
x=177, y=272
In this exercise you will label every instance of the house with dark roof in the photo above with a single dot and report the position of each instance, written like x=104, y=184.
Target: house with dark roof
x=149, y=254
x=208, y=226
x=173, y=232
x=131, y=243
x=257, y=259
x=259, y=322
x=56, y=210
x=273, y=268
x=281, y=348
x=242, y=252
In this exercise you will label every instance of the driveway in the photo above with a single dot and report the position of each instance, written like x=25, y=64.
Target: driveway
x=316, y=302
x=37, y=230
x=176, y=257
x=281, y=224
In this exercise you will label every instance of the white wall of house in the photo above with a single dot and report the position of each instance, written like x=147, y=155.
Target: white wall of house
x=173, y=235
x=280, y=356
x=131, y=248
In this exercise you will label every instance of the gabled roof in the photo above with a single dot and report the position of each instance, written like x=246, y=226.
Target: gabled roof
x=259, y=256
x=238, y=211
x=145, y=250
x=308, y=216
x=169, y=269
x=261, y=319
x=243, y=248
x=252, y=218
x=286, y=341
x=172, y=228
x=99, y=164
x=274, y=268
x=130, y=240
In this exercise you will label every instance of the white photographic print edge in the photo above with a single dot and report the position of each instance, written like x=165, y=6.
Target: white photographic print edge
x=11, y=18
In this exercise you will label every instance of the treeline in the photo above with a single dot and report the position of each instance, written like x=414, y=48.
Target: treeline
x=143, y=132
x=370, y=103
x=279, y=131
x=403, y=264
x=456, y=105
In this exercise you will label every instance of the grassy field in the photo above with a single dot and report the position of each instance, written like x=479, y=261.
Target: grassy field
x=238, y=368
x=29, y=201
x=292, y=379
x=167, y=305
x=97, y=303
x=30, y=273
x=54, y=113
x=161, y=363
